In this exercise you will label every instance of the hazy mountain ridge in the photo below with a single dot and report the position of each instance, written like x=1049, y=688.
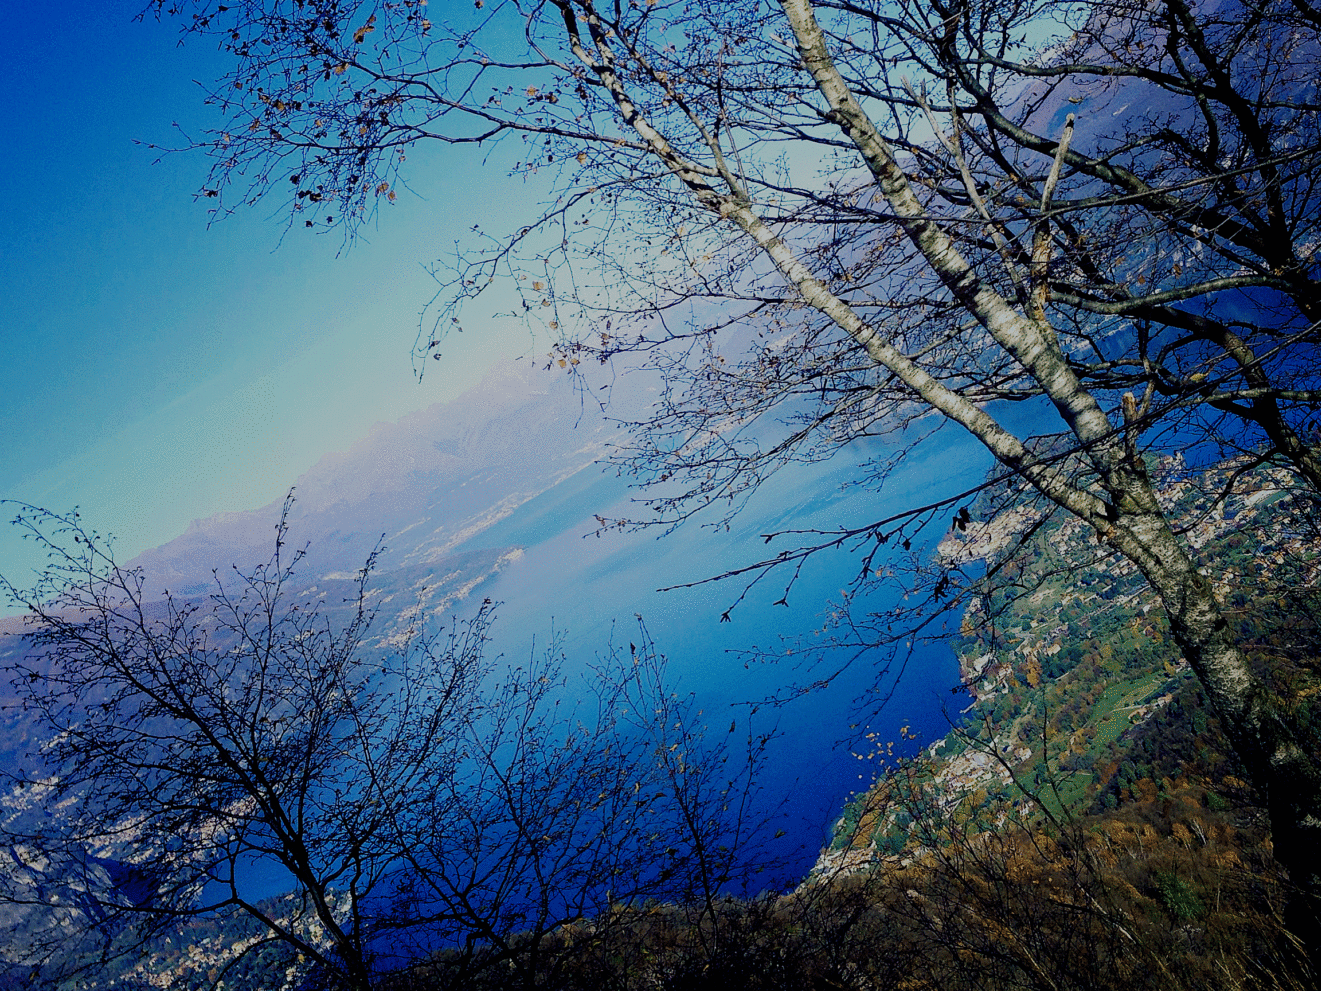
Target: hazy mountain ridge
x=421, y=486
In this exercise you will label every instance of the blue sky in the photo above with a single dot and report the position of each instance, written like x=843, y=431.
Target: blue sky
x=158, y=370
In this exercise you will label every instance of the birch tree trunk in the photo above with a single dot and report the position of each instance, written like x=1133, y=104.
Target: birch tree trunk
x=1130, y=519
x=1125, y=513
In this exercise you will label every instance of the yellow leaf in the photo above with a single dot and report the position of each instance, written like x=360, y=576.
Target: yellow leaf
x=582, y=157
x=538, y=286
x=339, y=69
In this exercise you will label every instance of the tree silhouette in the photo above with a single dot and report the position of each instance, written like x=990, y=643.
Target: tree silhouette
x=412, y=793
x=828, y=222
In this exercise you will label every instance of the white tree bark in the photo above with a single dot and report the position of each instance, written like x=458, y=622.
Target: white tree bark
x=1131, y=520
x=1128, y=517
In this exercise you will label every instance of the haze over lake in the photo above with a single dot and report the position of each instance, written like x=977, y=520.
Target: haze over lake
x=506, y=479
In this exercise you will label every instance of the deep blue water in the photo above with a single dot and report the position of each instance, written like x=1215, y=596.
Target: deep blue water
x=587, y=589
x=579, y=585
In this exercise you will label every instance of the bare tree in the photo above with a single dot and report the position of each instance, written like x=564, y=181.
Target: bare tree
x=414, y=794
x=829, y=221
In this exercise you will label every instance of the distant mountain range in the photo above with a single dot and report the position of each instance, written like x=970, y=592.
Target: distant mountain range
x=421, y=487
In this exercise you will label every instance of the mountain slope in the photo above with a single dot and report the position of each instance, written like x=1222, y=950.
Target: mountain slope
x=1068, y=657
x=421, y=486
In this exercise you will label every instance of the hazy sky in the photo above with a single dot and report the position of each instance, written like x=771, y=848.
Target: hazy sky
x=158, y=370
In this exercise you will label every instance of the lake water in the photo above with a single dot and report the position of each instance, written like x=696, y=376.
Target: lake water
x=587, y=589
x=578, y=584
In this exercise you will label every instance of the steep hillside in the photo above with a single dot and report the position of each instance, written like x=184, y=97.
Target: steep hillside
x=1069, y=660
